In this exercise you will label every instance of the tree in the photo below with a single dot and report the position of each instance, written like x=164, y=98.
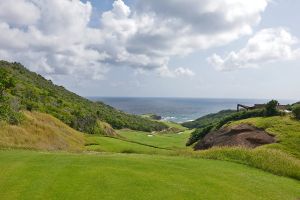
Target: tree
x=6, y=82
x=271, y=108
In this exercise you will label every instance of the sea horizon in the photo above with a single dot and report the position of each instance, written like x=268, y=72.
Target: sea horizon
x=178, y=109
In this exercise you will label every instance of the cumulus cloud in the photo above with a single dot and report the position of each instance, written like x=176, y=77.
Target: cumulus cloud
x=54, y=37
x=266, y=46
x=13, y=12
x=184, y=72
x=164, y=71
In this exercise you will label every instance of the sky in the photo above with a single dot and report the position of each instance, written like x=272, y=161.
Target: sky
x=170, y=48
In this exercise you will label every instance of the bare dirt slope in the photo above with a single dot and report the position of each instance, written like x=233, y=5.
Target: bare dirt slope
x=241, y=135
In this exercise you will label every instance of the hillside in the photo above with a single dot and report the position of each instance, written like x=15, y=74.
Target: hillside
x=285, y=129
x=29, y=91
x=281, y=157
x=208, y=120
x=40, y=131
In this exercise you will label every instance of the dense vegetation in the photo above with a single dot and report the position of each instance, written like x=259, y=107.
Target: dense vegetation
x=199, y=134
x=296, y=111
x=7, y=112
x=21, y=89
x=208, y=120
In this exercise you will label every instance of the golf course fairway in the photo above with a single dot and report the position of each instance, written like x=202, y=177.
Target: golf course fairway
x=39, y=175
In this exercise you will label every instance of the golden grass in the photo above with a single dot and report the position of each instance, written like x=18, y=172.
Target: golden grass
x=41, y=131
x=271, y=160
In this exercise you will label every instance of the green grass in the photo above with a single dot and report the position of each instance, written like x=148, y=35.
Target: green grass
x=169, y=141
x=270, y=160
x=174, y=125
x=281, y=158
x=36, y=175
x=115, y=145
x=139, y=142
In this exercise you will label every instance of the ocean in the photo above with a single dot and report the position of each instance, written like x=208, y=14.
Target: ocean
x=176, y=109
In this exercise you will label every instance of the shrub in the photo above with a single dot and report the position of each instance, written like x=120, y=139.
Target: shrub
x=6, y=81
x=296, y=111
x=199, y=134
x=271, y=108
x=9, y=115
x=240, y=116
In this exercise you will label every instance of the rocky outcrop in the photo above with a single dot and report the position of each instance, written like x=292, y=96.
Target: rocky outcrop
x=243, y=135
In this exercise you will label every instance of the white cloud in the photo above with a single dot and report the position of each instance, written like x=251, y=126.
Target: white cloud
x=54, y=37
x=164, y=71
x=184, y=72
x=18, y=12
x=266, y=46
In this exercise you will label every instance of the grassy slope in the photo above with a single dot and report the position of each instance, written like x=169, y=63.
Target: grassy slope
x=41, y=131
x=208, y=120
x=286, y=130
x=33, y=175
x=32, y=91
x=115, y=145
x=174, y=125
x=140, y=142
x=280, y=158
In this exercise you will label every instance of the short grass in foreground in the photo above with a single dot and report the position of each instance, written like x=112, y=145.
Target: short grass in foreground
x=36, y=175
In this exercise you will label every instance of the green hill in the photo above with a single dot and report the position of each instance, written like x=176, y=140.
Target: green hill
x=208, y=120
x=21, y=89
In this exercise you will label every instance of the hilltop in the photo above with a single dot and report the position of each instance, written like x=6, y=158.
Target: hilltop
x=25, y=90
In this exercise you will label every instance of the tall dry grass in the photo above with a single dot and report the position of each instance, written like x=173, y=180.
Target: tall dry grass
x=41, y=131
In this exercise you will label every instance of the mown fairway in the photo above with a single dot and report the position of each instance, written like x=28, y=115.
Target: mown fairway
x=107, y=144
x=36, y=175
x=168, y=141
x=139, y=142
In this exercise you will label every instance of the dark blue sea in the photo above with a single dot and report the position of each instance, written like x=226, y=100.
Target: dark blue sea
x=176, y=109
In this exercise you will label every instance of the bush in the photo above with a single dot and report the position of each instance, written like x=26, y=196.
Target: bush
x=6, y=81
x=296, y=111
x=241, y=115
x=9, y=115
x=199, y=134
x=271, y=108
